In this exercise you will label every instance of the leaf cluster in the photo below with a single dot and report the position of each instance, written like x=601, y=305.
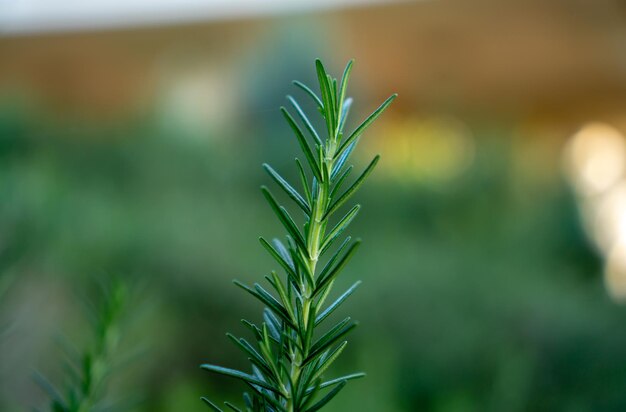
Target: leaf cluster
x=290, y=357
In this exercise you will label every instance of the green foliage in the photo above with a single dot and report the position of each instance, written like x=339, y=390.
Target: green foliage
x=87, y=372
x=290, y=359
x=4, y=286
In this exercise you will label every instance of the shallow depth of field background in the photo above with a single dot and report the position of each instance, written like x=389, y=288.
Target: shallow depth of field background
x=494, y=255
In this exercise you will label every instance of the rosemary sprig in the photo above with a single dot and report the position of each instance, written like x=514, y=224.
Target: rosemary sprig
x=290, y=359
x=87, y=372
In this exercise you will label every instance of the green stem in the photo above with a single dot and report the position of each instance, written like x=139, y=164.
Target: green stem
x=314, y=240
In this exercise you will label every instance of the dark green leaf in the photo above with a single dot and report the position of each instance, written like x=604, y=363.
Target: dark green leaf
x=338, y=380
x=250, y=351
x=359, y=130
x=308, y=153
x=330, y=264
x=340, y=227
x=332, y=336
x=345, y=110
x=213, y=406
x=339, y=163
x=309, y=92
x=305, y=120
x=273, y=324
x=239, y=375
x=233, y=407
x=339, y=182
x=282, y=293
x=336, y=303
x=352, y=189
x=291, y=192
x=329, y=109
x=304, y=267
x=344, y=82
x=267, y=397
x=303, y=181
x=329, y=396
x=332, y=273
x=275, y=305
x=267, y=300
x=329, y=358
x=284, y=217
x=255, y=330
x=278, y=256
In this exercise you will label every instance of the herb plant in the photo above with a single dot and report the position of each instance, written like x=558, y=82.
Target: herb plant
x=291, y=357
x=87, y=372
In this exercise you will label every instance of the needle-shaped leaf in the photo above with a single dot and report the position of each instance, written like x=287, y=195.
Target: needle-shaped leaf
x=213, y=406
x=305, y=120
x=338, y=380
x=291, y=192
x=369, y=120
x=267, y=300
x=336, y=303
x=276, y=306
x=304, y=267
x=335, y=96
x=308, y=397
x=332, y=273
x=305, y=381
x=284, y=217
x=310, y=92
x=273, y=324
x=232, y=407
x=352, y=189
x=303, y=181
x=329, y=396
x=255, y=330
x=345, y=110
x=300, y=318
x=329, y=357
x=266, y=348
x=282, y=293
x=344, y=82
x=339, y=182
x=340, y=227
x=282, y=250
x=267, y=398
x=332, y=336
x=325, y=88
x=306, y=149
x=247, y=399
x=331, y=261
x=238, y=375
x=280, y=258
x=255, y=357
x=342, y=160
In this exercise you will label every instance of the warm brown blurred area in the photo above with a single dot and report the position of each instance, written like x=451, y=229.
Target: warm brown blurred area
x=556, y=61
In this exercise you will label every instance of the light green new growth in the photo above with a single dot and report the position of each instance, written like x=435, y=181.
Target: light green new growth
x=290, y=358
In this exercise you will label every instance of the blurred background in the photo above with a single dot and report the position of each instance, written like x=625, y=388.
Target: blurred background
x=494, y=261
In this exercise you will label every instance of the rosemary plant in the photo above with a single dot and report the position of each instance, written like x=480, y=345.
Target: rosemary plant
x=291, y=357
x=87, y=372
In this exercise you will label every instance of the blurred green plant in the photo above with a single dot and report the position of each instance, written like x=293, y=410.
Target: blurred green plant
x=5, y=281
x=289, y=362
x=87, y=373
